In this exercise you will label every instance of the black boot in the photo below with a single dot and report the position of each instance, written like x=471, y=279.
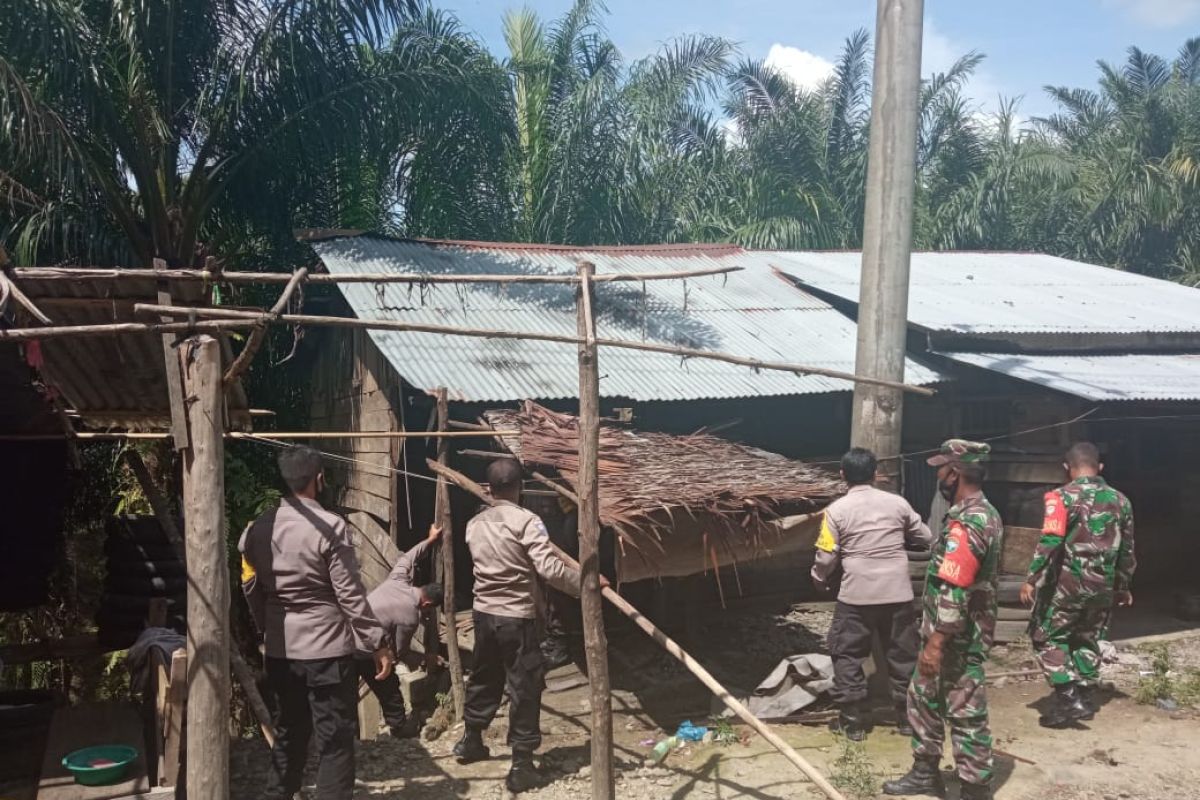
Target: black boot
x=522, y=775
x=903, y=726
x=976, y=791
x=409, y=729
x=1066, y=708
x=850, y=722
x=923, y=780
x=1087, y=694
x=470, y=748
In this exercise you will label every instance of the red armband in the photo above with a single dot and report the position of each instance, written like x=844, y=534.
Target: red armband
x=1055, y=523
x=959, y=566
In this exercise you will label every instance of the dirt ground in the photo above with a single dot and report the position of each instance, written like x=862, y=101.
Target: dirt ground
x=1129, y=752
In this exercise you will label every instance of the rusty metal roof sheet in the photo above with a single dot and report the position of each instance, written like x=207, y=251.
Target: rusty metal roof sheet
x=751, y=313
x=112, y=381
x=980, y=293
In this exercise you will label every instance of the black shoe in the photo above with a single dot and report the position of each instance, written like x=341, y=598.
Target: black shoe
x=923, y=780
x=1088, y=695
x=976, y=791
x=470, y=748
x=411, y=729
x=1066, y=708
x=850, y=723
x=522, y=775
x=555, y=654
x=903, y=726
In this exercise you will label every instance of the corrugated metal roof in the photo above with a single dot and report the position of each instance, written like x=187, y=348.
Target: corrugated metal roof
x=751, y=313
x=977, y=293
x=1159, y=376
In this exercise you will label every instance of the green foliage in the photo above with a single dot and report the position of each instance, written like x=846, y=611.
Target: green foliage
x=1165, y=683
x=853, y=771
x=723, y=731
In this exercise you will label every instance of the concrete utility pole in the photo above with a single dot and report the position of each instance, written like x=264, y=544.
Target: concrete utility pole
x=887, y=230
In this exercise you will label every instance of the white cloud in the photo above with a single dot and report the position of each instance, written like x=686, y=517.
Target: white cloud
x=806, y=70
x=1158, y=13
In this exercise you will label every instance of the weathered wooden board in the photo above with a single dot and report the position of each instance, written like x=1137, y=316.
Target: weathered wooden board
x=85, y=726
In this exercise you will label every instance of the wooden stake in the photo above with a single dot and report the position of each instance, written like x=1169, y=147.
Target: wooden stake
x=123, y=275
x=242, y=362
x=669, y=644
x=595, y=642
x=179, y=430
x=11, y=288
x=458, y=692
x=208, y=574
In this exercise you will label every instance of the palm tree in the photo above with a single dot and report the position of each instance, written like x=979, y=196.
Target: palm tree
x=164, y=125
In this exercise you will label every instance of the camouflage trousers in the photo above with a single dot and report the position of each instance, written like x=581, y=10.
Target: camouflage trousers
x=1067, y=642
x=957, y=698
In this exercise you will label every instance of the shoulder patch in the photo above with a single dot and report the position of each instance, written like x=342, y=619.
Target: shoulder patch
x=959, y=565
x=1055, y=521
x=248, y=572
x=826, y=541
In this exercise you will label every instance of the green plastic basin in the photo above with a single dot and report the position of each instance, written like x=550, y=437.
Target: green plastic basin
x=101, y=765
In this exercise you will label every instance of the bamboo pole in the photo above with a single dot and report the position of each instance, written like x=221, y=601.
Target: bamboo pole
x=668, y=644
x=595, y=641
x=116, y=436
x=242, y=362
x=458, y=692
x=385, y=324
x=208, y=574
x=121, y=275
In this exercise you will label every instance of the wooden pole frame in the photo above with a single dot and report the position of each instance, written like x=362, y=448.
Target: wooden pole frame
x=208, y=573
x=458, y=692
x=242, y=362
x=667, y=643
x=595, y=640
x=212, y=276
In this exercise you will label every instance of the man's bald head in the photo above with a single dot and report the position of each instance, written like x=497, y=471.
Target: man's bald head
x=504, y=479
x=1083, y=459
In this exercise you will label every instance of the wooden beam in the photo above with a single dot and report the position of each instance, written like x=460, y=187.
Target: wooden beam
x=208, y=573
x=115, y=436
x=595, y=640
x=669, y=644
x=242, y=362
x=78, y=646
x=179, y=430
x=158, y=503
x=212, y=276
x=15, y=292
x=449, y=330
x=458, y=693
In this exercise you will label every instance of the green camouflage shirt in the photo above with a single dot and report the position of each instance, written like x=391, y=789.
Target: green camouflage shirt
x=1086, y=549
x=960, y=585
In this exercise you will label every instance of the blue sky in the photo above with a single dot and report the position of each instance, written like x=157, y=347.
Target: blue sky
x=1028, y=43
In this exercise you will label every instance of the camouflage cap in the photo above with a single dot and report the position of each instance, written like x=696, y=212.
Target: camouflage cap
x=960, y=451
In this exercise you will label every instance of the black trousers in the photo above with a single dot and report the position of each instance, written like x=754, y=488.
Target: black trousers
x=507, y=659
x=850, y=646
x=387, y=691
x=313, y=698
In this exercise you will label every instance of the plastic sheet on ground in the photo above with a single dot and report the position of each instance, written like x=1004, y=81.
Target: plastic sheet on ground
x=795, y=684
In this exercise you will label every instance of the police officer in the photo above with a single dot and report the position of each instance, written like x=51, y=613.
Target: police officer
x=1084, y=562
x=399, y=607
x=957, y=626
x=866, y=533
x=300, y=576
x=511, y=550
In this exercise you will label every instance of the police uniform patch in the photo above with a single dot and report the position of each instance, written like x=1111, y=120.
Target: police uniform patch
x=826, y=541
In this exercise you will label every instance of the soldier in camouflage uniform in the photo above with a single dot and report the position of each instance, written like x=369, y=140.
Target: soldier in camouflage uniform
x=1083, y=562
x=957, y=626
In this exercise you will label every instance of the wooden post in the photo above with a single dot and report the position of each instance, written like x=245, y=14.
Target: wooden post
x=179, y=425
x=458, y=692
x=595, y=643
x=207, y=572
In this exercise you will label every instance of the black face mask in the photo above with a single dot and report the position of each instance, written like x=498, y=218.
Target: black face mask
x=949, y=487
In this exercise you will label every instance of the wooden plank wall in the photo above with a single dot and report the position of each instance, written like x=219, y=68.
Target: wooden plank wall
x=352, y=391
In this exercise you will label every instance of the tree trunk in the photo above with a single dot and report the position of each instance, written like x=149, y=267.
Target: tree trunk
x=449, y=610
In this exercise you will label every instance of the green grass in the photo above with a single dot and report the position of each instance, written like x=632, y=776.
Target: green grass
x=853, y=771
x=1165, y=683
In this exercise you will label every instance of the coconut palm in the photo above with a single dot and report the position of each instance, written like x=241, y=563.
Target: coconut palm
x=166, y=124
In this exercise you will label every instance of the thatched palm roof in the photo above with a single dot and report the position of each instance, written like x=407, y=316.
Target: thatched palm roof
x=649, y=480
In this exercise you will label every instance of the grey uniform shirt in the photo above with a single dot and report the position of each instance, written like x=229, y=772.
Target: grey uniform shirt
x=511, y=549
x=397, y=603
x=865, y=531
x=301, y=578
